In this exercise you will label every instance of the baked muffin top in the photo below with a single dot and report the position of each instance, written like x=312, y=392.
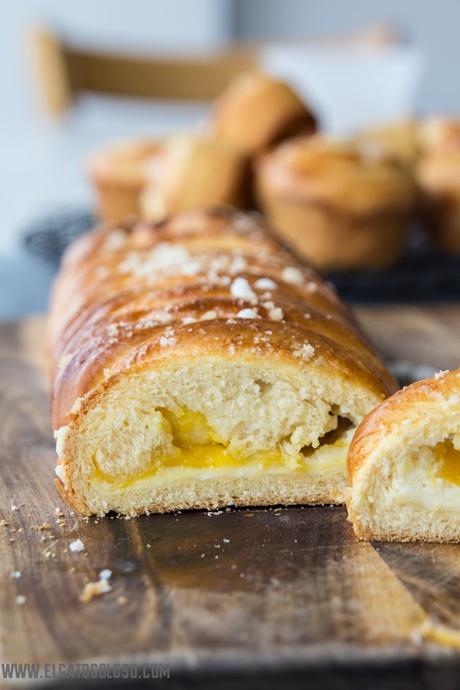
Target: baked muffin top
x=124, y=161
x=397, y=140
x=337, y=173
x=439, y=168
x=439, y=133
x=257, y=110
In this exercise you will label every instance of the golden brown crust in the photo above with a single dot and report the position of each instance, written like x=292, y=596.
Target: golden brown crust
x=257, y=111
x=111, y=308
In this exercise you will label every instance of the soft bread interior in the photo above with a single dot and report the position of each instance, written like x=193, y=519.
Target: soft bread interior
x=410, y=490
x=212, y=433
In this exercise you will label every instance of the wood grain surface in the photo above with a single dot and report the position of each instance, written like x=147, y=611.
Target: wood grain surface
x=242, y=597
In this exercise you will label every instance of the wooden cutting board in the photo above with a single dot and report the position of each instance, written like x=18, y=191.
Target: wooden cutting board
x=239, y=596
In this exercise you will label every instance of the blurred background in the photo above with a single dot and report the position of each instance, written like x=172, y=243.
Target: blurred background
x=358, y=63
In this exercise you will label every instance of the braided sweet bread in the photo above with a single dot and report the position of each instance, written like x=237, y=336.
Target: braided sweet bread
x=196, y=363
x=404, y=465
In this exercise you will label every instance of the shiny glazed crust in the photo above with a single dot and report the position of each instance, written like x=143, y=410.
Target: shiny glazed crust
x=213, y=288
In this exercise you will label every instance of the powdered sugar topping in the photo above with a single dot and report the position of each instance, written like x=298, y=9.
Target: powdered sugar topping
x=241, y=289
x=306, y=351
x=163, y=256
x=265, y=284
x=168, y=338
x=292, y=275
x=247, y=314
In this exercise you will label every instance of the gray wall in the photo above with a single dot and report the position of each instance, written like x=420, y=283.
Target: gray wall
x=433, y=25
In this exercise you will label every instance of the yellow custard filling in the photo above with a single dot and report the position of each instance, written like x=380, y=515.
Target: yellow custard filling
x=448, y=458
x=197, y=447
x=189, y=429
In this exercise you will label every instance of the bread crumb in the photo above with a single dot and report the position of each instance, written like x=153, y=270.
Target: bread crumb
x=43, y=526
x=76, y=546
x=15, y=574
x=122, y=600
x=94, y=589
x=21, y=600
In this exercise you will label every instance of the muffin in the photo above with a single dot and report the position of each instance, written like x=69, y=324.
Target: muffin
x=118, y=173
x=257, y=111
x=438, y=176
x=336, y=204
x=397, y=140
x=196, y=171
x=436, y=132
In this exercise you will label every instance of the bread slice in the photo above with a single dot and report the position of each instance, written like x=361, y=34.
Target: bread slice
x=197, y=364
x=404, y=465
